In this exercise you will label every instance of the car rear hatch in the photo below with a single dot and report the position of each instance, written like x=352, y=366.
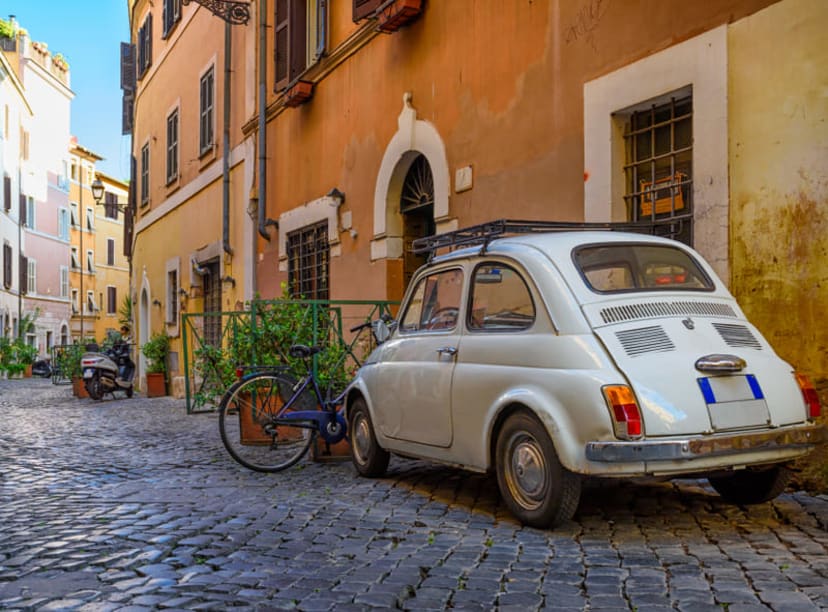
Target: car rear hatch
x=657, y=345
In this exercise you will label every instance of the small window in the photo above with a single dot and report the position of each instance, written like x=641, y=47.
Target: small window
x=110, y=205
x=434, y=303
x=75, y=309
x=32, y=277
x=30, y=212
x=620, y=268
x=205, y=130
x=90, y=261
x=309, y=255
x=90, y=219
x=111, y=300
x=75, y=215
x=74, y=258
x=91, y=306
x=64, y=281
x=63, y=224
x=500, y=300
x=172, y=296
x=171, y=16
x=145, y=161
x=145, y=46
x=172, y=147
x=110, y=251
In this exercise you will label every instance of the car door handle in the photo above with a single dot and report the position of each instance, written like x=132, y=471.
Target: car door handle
x=447, y=350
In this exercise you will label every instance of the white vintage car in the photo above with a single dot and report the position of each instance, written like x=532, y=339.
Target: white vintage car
x=552, y=356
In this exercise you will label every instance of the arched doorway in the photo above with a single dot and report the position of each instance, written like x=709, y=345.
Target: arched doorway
x=417, y=209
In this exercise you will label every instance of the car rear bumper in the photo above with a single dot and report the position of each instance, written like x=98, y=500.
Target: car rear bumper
x=797, y=440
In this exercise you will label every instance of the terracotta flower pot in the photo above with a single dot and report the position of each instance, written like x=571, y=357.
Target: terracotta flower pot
x=156, y=384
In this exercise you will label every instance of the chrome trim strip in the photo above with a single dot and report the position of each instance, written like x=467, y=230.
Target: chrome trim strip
x=803, y=437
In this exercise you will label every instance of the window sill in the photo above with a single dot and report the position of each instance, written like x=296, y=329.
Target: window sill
x=173, y=184
x=208, y=156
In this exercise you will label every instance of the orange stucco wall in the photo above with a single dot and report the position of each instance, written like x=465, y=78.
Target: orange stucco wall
x=501, y=83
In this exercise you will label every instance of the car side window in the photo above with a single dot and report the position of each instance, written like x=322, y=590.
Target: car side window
x=500, y=300
x=434, y=303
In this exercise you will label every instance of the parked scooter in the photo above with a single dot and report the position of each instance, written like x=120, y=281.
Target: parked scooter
x=107, y=371
x=42, y=368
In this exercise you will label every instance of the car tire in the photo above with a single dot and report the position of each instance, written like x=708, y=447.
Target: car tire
x=538, y=490
x=369, y=458
x=751, y=486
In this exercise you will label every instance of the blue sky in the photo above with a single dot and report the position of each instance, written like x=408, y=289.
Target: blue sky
x=88, y=33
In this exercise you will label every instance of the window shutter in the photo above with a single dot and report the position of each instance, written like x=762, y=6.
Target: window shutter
x=22, y=210
x=110, y=252
x=7, y=266
x=7, y=192
x=365, y=8
x=165, y=18
x=149, y=40
x=23, y=262
x=298, y=36
x=281, y=35
x=127, y=67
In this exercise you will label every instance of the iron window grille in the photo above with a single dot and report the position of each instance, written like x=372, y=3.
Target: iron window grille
x=308, y=254
x=659, y=163
x=172, y=296
x=206, y=112
x=172, y=147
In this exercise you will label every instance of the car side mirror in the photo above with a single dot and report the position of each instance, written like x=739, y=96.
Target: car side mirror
x=382, y=330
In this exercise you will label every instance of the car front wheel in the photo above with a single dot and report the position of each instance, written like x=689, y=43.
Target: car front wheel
x=369, y=458
x=538, y=490
x=751, y=487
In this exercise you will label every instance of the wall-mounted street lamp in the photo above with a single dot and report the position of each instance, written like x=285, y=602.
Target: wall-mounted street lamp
x=98, y=193
x=232, y=11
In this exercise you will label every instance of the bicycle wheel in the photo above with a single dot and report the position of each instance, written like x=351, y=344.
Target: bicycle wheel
x=255, y=427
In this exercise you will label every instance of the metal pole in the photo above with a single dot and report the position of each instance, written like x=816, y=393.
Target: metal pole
x=262, y=120
x=225, y=217
x=81, y=255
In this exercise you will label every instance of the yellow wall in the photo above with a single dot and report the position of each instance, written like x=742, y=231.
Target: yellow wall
x=779, y=178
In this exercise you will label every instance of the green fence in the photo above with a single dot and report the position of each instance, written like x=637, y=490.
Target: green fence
x=216, y=343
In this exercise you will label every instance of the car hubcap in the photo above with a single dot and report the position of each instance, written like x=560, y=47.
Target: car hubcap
x=527, y=472
x=362, y=438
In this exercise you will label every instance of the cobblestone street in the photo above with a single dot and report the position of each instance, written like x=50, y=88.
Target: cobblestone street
x=133, y=504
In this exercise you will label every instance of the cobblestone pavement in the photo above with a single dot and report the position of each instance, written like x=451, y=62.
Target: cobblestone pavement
x=134, y=505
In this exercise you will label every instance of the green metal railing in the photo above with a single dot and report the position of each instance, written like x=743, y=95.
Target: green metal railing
x=263, y=335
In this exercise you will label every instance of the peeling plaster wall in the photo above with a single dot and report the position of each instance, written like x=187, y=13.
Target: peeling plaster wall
x=778, y=112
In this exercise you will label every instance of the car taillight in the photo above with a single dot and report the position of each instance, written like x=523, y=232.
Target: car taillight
x=626, y=417
x=810, y=395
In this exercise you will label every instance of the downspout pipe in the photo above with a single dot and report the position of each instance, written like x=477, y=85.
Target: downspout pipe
x=262, y=204
x=225, y=188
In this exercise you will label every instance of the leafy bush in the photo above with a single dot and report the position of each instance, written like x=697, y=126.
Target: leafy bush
x=156, y=350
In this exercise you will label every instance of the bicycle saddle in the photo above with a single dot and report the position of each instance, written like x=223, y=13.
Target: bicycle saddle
x=303, y=352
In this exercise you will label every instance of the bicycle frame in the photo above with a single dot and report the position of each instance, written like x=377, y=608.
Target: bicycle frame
x=329, y=422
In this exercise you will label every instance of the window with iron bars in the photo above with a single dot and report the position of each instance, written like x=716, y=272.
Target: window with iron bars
x=308, y=254
x=659, y=165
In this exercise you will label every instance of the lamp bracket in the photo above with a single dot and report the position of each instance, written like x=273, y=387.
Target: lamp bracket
x=231, y=11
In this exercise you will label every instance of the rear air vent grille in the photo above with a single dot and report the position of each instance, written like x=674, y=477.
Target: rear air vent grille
x=645, y=340
x=649, y=310
x=737, y=335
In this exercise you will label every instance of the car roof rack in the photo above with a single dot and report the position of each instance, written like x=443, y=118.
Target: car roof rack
x=484, y=233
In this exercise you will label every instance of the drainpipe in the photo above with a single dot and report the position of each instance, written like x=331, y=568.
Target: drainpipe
x=225, y=209
x=262, y=123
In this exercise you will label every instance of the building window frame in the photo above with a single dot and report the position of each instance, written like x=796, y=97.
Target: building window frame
x=171, y=15
x=145, y=174
x=206, y=124
x=111, y=300
x=110, y=251
x=172, y=146
x=64, y=281
x=31, y=276
x=63, y=223
x=309, y=255
x=145, y=46
x=90, y=261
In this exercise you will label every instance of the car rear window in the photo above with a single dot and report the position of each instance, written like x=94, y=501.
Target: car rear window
x=618, y=268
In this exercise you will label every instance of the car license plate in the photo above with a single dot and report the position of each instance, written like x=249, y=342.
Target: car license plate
x=734, y=402
x=88, y=373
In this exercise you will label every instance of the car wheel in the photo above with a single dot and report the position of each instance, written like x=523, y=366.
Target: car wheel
x=538, y=490
x=751, y=486
x=369, y=458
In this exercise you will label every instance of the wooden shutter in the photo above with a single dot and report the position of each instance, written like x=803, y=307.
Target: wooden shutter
x=110, y=252
x=7, y=192
x=281, y=43
x=290, y=41
x=365, y=8
x=127, y=67
x=23, y=262
x=23, y=210
x=7, y=266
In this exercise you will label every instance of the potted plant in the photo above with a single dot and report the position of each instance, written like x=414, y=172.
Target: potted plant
x=23, y=355
x=156, y=350
x=68, y=363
